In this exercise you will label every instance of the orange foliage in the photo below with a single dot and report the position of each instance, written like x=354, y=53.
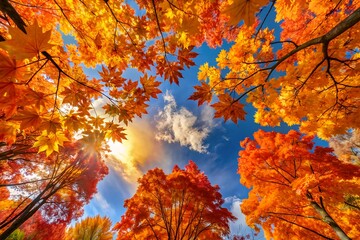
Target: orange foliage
x=43, y=86
x=310, y=76
x=181, y=205
x=296, y=191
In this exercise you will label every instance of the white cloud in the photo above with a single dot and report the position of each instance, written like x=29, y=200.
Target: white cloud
x=182, y=126
x=238, y=227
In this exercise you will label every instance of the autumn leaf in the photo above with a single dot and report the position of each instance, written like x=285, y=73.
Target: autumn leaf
x=229, y=108
x=8, y=67
x=50, y=142
x=7, y=90
x=172, y=72
x=8, y=98
x=73, y=122
x=51, y=124
x=8, y=109
x=28, y=118
x=39, y=99
x=8, y=132
x=202, y=94
x=98, y=41
x=92, y=140
x=115, y=132
x=185, y=56
x=27, y=45
x=73, y=96
x=150, y=86
x=243, y=10
x=183, y=39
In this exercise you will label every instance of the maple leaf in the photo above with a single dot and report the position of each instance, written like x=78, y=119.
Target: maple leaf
x=97, y=121
x=243, y=10
x=27, y=45
x=9, y=108
x=150, y=86
x=183, y=39
x=111, y=109
x=73, y=122
x=185, y=56
x=172, y=72
x=39, y=99
x=202, y=94
x=8, y=67
x=139, y=107
x=229, y=108
x=115, y=132
x=28, y=118
x=7, y=90
x=51, y=124
x=92, y=140
x=50, y=142
x=74, y=96
x=8, y=132
x=98, y=41
x=128, y=89
x=8, y=98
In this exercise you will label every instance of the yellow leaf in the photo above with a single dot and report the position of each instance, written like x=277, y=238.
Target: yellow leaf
x=184, y=40
x=203, y=72
x=169, y=13
x=50, y=142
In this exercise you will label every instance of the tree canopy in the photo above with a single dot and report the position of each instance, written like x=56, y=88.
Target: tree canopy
x=297, y=190
x=179, y=205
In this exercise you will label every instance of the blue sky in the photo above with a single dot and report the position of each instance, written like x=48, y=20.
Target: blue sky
x=175, y=131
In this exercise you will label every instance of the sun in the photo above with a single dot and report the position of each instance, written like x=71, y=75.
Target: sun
x=120, y=150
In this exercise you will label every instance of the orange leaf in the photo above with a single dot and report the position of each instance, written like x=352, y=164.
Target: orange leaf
x=172, y=72
x=151, y=87
x=8, y=67
x=185, y=55
x=115, y=133
x=228, y=108
x=7, y=90
x=243, y=10
x=28, y=118
x=8, y=132
x=27, y=45
x=51, y=125
x=202, y=94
